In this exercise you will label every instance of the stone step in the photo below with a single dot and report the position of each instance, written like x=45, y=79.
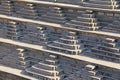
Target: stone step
x=100, y=6
x=73, y=47
x=53, y=20
x=42, y=75
x=83, y=19
x=53, y=17
x=53, y=56
x=82, y=27
x=110, y=40
x=47, y=66
x=45, y=72
x=69, y=41
x=83, y=23
x=51, y=62
x=116, y=50
x=109, y=44
x=103, y=2
x=63, y=50
x=55, y=14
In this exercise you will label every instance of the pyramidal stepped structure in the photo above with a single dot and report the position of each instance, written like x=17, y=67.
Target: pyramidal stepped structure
x=59, y=39
x=69, y=44
x=48, y=69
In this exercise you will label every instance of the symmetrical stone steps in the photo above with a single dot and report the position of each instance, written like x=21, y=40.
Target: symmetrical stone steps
x=49, y=69
x=67, y=44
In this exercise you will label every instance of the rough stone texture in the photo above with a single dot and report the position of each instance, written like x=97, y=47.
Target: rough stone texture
x=49, y=40
x=7, y=76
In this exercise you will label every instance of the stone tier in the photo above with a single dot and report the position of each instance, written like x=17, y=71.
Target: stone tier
x=15, y=59
x=38, y=36
x=13, y=30
x=104, y=4
x=55, y=15
x=6, y=7
x=69, y=44
x=107, y=50
x=49, y=69
x=85, y=20
x=26, y=11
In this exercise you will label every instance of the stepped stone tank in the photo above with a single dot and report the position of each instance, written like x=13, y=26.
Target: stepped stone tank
x=59, y=39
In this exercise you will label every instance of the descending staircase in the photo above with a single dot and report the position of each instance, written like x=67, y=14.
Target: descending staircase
x=24, y=61
x=50, y=69
x=69, y=44
x=42, y=36
x=85, y=20
x=13, y=30
x=14, y=59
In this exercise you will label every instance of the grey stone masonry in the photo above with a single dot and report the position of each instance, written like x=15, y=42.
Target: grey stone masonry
x=109, y=49
x=90, y=72
x=6, y=7
x=85, y=20
x=41, y=10
x=70, y=1
x=69, y=44
x=60, y=39
x=54, y=15
x=105, y=4
x=13, y=30
x=109, y=21
x=50, y=69
x=65, y=1
x=23, y=58
x=35, y=35
x=25, y=10
x=4, y=52
x=13, y=59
